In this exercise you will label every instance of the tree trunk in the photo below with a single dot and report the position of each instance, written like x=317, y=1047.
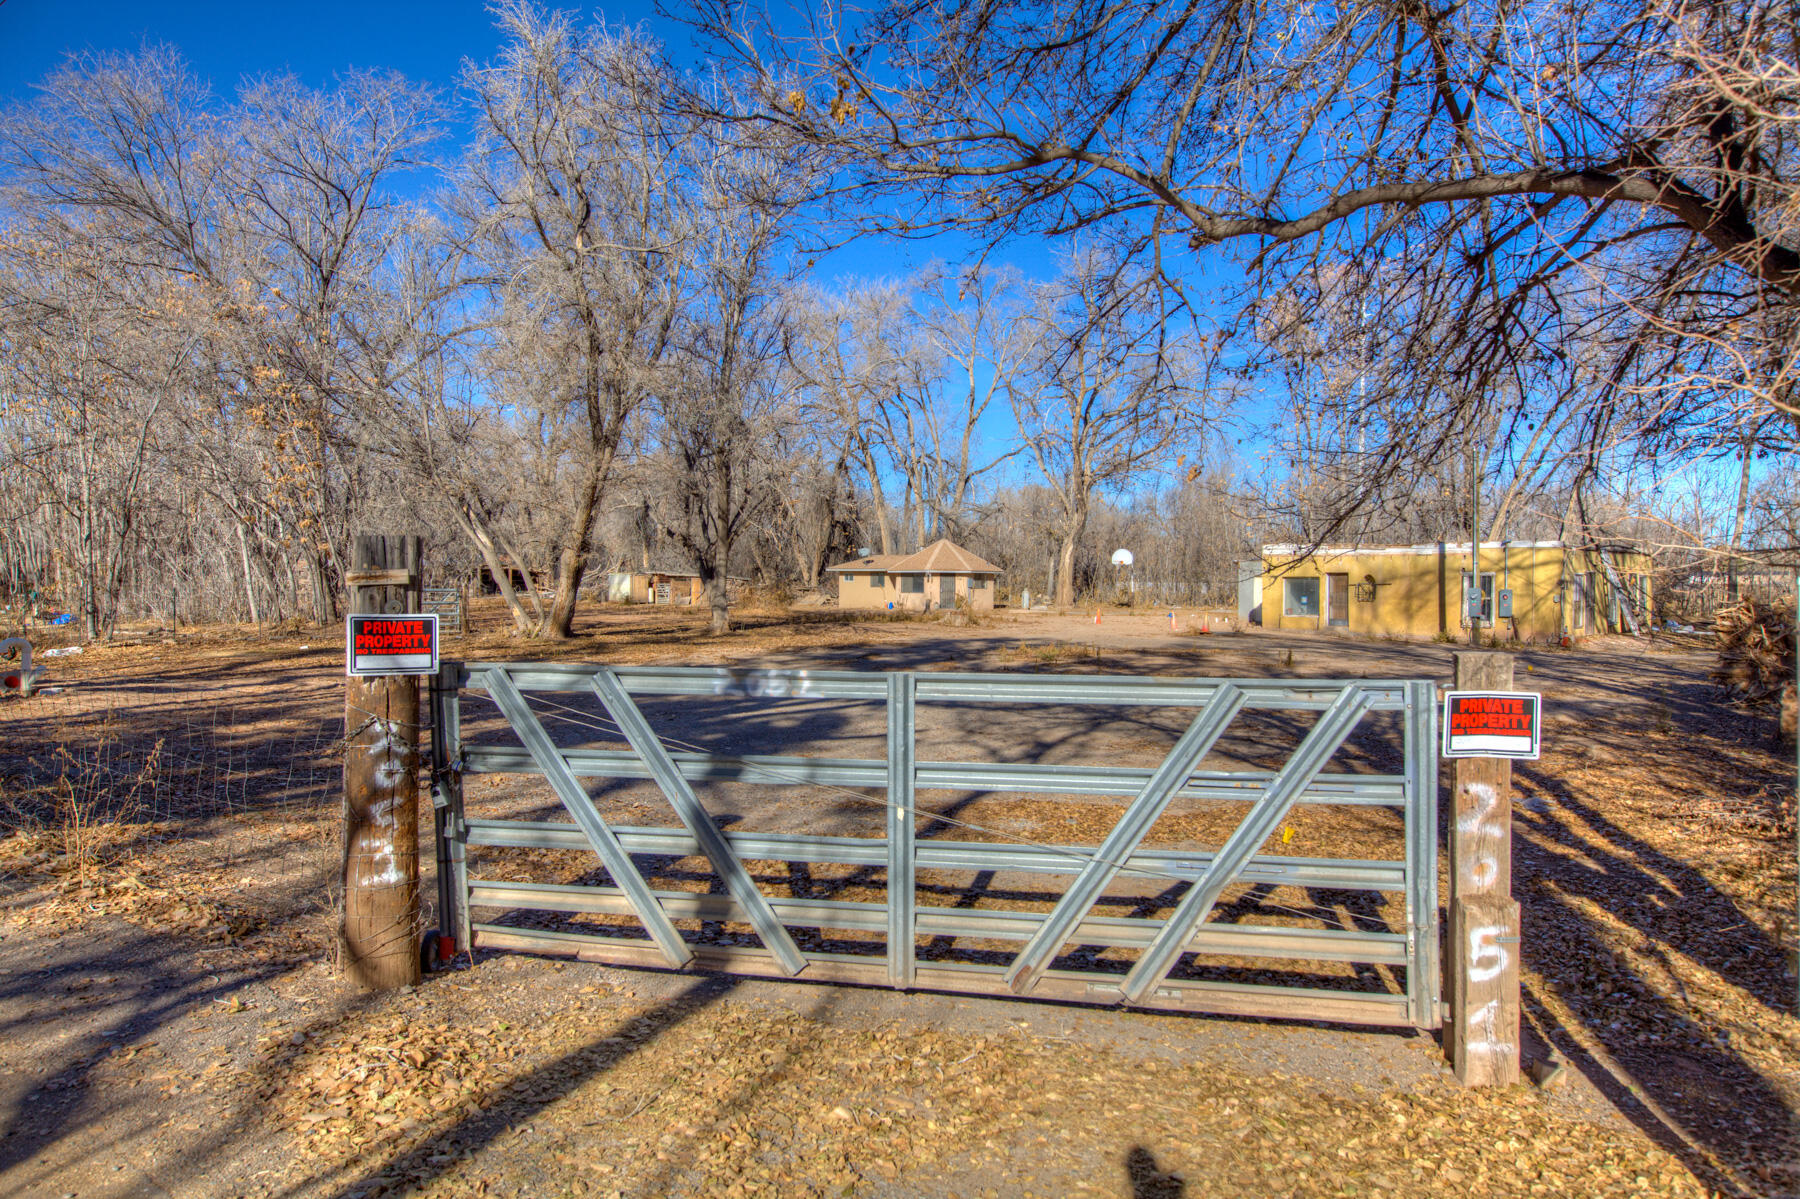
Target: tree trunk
x=315, y=569
x=878, y=501
x=249, y=578
x=476, y=531
x=1737, y=527
x=718, y=599
x=571, y=563
x=1065, y=561
x=571, y=568
x=715, y=590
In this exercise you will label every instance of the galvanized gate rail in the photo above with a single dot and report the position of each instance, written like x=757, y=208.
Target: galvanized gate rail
x=447, y=602
x=1301, y=780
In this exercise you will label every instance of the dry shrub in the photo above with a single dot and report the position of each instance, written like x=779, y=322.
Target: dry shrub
x=1756, y=657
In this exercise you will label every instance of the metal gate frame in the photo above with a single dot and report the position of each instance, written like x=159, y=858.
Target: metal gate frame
x=1301, y=780
x=447, y=602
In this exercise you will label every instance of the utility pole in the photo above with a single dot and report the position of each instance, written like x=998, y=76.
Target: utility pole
x=1472, y=605
x=381, y=782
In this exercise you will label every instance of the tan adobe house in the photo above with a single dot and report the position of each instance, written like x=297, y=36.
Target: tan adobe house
x=1530, y=590
x=938, y=576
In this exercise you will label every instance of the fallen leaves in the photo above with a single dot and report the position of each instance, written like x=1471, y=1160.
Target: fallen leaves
x=371, y=1083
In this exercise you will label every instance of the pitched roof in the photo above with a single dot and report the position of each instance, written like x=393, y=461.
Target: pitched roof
x=872, y=562
x=941, y=557
x=944, y=557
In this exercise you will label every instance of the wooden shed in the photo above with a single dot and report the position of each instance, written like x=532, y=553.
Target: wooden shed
x=663, y=587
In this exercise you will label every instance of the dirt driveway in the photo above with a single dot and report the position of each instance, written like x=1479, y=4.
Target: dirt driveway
x=171, y=1022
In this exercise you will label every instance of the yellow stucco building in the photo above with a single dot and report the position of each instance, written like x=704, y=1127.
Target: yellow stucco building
x=1530, y=590
x=937, y=577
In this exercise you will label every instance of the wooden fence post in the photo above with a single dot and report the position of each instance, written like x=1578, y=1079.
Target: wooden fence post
x=381, y=784
x=1483, y=1039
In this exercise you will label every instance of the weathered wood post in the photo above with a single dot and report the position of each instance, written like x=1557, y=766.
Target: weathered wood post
x=381, y=787
x=1483, y=1038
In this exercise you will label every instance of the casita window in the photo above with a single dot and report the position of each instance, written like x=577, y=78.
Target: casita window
x=1300, y=597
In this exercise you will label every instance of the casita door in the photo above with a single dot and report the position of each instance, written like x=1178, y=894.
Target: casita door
x=1338, y=602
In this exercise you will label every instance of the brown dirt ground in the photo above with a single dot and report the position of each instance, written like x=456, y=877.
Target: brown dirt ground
x=171, y=1021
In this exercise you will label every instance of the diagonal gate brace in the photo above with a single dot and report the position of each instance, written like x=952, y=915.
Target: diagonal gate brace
x=574, y=796
x=645, y=743
x=1334, y=725
x=1208, y=726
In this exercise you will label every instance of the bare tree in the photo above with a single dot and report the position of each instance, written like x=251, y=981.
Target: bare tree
x=1104, y=397
x=243, y=242
x=843, y=349
x=720, y=421
x=575, y=206
x=973, y=319
x=1590, y=206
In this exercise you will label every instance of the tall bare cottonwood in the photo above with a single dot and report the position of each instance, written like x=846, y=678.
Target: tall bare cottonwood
x=573, y=206
x=719, y=422
x=1105, y=395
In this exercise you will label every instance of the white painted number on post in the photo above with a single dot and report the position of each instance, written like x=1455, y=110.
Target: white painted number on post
x=1483, y=1033
x=1487, y=957
x=1481, y=822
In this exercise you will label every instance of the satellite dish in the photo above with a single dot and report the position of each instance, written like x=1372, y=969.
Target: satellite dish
x=864, y=552
x=1122, y=558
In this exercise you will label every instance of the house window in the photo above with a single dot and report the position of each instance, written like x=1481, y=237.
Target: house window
x=912, y=584
x=1300, y=597
x=875, y=579
x=978, y=582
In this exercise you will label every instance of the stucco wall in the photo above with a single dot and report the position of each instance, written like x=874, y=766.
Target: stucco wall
x=1399, y=593
x=856, y=591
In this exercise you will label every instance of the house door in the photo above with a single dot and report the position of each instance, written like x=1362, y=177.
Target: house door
x=947, y=591
x=1338, y=601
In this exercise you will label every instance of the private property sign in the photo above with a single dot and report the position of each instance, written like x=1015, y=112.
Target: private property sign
x=1492, y=724
x=404, y=644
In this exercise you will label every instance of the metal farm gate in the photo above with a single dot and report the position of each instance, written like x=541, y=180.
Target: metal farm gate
x=1054, y=943
x=447, y=602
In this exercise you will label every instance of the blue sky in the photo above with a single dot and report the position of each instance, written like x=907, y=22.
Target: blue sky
x=425, y=41
x=226, y=42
